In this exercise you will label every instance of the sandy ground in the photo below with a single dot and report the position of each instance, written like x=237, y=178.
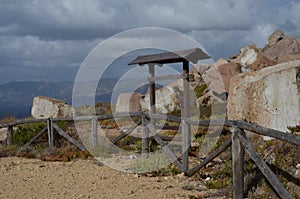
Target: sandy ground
x=33, y=178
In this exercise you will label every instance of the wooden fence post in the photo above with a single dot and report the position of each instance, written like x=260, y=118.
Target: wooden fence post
x=186, y=129
x=145, y=138
x=95, y=131
x=50, y=132
x=10, y=133
x=237, y=164
x=263, y=167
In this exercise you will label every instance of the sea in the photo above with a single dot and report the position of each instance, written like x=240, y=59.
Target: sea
x=17, y=111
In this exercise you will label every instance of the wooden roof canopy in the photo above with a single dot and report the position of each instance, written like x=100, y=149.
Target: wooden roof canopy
x=192, y=55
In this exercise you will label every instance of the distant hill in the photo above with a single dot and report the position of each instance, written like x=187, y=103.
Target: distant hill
x=22, y=93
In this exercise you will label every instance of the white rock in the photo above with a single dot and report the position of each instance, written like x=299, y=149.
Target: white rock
x=46, y=107
x=269, y=97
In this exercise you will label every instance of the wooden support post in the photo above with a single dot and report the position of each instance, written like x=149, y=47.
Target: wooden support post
x=65, y=135
x=36, y=136
x=145, y=138
x=186, y=129
x=124, y=134
x=10, y=134
x=237, y=164
x=95, y=131
x=152, y=88
x=209, y=158
x=165, y=148
x=50, y=132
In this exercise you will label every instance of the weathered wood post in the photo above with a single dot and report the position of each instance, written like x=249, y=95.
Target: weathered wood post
x=263, y=167
x=50, y=132
x=10, y=133
x=186, y=130
x=145, y=138
x=237, y=164
x=95, y=131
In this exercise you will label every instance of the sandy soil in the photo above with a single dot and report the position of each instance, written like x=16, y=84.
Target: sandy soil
x=33, y=178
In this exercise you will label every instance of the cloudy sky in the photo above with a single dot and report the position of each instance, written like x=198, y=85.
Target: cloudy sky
x=48, y=40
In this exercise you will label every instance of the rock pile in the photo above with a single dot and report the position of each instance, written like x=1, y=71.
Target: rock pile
x=262, y=84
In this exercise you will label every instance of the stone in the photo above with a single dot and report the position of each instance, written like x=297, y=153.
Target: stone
x=275, y=37
x=269, y=97
x=200, y=68
x=129, y=102
x=218, y=79
x=252, y=59
x=168, y=98
x=227, y=71
x=289, y=57
x=46, y=107
x=286, y=45
x=210, y=98
x=297, y=173
x=3, y=135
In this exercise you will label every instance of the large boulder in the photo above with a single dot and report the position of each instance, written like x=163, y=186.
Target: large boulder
x=129, y=102
x=269, y=97
x=46, y=107
x=167, y=99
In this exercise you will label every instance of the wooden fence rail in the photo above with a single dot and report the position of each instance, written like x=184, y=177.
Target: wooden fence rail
x=240, y=143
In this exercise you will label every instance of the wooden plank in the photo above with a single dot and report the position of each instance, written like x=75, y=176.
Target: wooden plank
x=10, y=133
x=124, y=134
x=237, y=165
x=152, y=89
x=166, y=77
x=65, y=135
x=145, y=139
x=209, y=158
x=165, y=148
x=192, y=55
x=168, y=127
x=24, y=121
x=36, y=136
x=95, y=132
x=186, y=130
x=50, y=132
x=267, y=132
x=263, y=167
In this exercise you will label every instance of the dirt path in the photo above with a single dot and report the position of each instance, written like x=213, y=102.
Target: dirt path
x=33, y=178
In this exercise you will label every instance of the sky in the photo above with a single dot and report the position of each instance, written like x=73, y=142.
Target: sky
x=48, y=40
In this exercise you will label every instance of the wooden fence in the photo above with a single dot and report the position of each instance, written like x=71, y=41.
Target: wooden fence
x=239, y=141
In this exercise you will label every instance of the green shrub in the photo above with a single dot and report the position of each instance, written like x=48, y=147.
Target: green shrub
x=199, y=90
x=26, y=132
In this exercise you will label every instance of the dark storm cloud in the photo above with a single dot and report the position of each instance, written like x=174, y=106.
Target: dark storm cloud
x=53, y=37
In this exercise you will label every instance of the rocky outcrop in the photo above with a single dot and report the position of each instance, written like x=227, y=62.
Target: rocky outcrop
x=46, y=107
x=269, y=97
x=280, y=45
x=129, y=102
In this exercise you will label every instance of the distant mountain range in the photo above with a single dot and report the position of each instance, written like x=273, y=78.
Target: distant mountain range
x=22, y=93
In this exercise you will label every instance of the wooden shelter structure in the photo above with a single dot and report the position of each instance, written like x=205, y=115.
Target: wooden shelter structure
x=185, y=56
